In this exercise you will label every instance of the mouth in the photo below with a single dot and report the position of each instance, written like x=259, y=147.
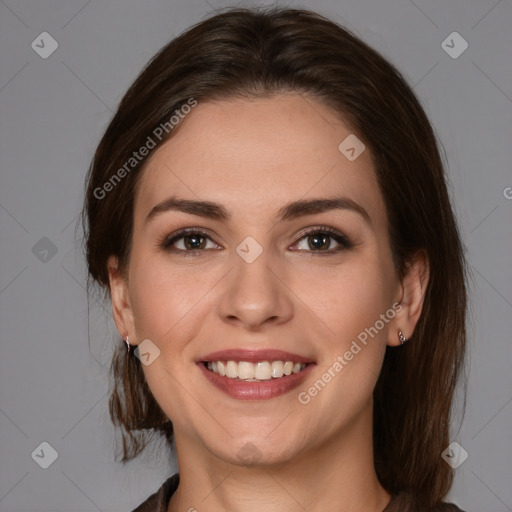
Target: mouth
x=255, y=375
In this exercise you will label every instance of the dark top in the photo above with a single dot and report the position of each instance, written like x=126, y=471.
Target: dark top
x=159, y=501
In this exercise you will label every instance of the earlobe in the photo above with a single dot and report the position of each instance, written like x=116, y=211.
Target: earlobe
x=119, y=296
x=414, y=287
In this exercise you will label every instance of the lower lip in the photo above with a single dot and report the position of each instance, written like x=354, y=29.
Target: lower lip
x=263, y=390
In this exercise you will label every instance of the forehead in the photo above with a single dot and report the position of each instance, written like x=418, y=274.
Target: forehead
x=258, y=154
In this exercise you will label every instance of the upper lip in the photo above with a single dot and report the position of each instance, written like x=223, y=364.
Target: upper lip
x=254, y=356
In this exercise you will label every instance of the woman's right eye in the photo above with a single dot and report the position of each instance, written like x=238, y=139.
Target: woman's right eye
x=188, y=242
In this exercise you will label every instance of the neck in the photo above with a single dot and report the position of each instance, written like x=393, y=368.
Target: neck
x=337, y=475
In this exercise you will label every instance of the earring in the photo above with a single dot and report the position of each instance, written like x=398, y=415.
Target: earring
x=127, y=341
x=401, y=337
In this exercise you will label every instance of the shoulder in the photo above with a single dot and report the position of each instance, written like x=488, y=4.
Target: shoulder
x=402, y=502
x=406, y=502
x=448, y=507
x=159, y=501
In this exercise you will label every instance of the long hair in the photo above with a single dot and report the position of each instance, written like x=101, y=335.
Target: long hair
x=263, y=52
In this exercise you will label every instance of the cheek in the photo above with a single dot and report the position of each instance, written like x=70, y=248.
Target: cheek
x=358, y=310
x=351, y=299
x=162, y=295
x=162, y=303
x=154, y=301
x=351, y=363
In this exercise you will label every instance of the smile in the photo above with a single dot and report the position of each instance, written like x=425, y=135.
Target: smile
x=255, y=374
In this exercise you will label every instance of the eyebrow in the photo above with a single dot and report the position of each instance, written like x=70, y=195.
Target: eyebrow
x=288, y=212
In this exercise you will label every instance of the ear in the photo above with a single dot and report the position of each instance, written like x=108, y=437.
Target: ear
x=413, y=288
x=119, y=295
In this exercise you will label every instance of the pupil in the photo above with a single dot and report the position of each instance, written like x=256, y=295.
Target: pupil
x=318, y=241
x=193, y=241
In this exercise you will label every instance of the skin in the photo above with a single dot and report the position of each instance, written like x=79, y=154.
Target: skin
x=253, y=156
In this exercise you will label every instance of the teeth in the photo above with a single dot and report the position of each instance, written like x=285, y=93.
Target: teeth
x=250, y=372
x=277, y=369
x=288, y=368
x=231, y=369
x=262, y=371
x=245, y=370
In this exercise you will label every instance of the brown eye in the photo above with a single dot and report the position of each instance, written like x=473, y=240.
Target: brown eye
x=323, y=240
x=192, y=242
x=319, y=241
x=188, y=241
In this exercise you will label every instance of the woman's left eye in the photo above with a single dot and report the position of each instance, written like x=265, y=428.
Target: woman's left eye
x=320, y=240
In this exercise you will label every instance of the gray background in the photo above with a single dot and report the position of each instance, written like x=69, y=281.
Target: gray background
x=53, y=384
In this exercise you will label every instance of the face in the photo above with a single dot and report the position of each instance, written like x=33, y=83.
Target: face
x=270, y=278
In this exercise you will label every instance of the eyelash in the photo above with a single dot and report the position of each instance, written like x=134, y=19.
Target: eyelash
x=343, y=240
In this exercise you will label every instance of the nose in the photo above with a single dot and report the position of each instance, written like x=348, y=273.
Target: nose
x=255, y=295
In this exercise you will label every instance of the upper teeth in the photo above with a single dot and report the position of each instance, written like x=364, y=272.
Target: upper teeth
x=263, y=370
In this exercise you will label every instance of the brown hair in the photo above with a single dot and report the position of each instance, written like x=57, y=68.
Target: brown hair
x=251, y=52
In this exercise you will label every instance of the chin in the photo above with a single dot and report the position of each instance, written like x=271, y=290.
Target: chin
x=256, y=453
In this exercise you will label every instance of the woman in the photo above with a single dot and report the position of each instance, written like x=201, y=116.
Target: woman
x=269, y=214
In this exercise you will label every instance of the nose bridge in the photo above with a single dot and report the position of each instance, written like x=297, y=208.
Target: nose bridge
x=254, y=293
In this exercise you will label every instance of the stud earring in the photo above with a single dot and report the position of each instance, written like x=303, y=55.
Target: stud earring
x=401, y=337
